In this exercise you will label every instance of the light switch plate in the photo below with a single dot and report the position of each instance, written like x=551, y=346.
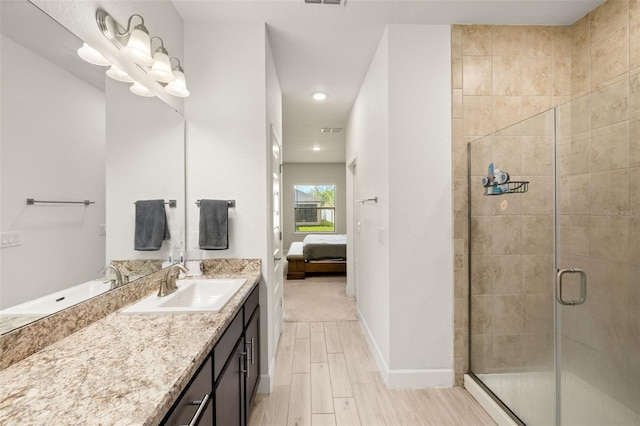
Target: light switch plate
x=10, y=239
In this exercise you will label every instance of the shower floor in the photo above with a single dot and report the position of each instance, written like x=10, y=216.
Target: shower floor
x=531, y=396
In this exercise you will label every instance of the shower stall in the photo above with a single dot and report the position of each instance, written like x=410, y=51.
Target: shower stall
x=554, y=256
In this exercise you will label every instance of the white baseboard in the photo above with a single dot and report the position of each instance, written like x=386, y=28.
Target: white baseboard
x=486, y=402
x=406, y=378
x=265, y=384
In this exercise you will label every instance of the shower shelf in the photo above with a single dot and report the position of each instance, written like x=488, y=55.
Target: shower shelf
x=513, y=187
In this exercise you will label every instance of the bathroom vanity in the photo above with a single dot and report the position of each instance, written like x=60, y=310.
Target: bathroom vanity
x=144, y=369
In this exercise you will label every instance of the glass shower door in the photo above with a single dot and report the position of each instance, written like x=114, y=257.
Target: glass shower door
x=598, y=257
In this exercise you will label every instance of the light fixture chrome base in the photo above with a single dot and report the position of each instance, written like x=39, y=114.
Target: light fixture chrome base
x=110, y=28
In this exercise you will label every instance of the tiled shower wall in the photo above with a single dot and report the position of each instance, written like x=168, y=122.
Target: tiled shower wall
x=504, y=74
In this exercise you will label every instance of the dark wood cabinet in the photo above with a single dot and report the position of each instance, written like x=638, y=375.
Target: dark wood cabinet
x=231, y=374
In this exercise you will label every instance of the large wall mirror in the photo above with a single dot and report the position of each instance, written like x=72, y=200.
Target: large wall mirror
x=69, y=134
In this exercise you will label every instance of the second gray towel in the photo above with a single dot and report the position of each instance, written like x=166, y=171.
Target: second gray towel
x=214, y=225
x=151, y=225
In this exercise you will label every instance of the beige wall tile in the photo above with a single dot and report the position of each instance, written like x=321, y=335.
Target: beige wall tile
x=580, y=154
x=537, y=156
x=578, y=200
x=506, y=40
x=539, y=198
x=537, y=351
x=506, y=111
x=506, y=314
x=532, y=105
x=456, y=73
x=634, y=196
x=609, y=285
x=481, y=314
x=609, y=58
x=536, y=76
x=561, y=41
x=456, y=104
x=537, y=273
x=481, y=234
x=476, y=40
x=609, y=105
x=477, y=115
x=536, y=41
x=476, y=80
x=507, y=75
x=607, y=18
x=507, y=274
x=481, y=274
x=481, y=352
x=634, y=237
x=580, y=71
x=507, y=235
x=507, y=153
x=456, y=134
x=561, y=76
x=506, y=352
x=537, y=313
x=575, y=235
x=634, y=34
x=634, y=95
x=580, y=34
x=460, y=163
x=456, y=41
x=610, y=147
x=609, y=192
x=580, y=115
x=460, y=196
x=537, y=234
x=634, y=142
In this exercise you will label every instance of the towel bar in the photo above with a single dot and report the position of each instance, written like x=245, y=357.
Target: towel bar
x=230, y=203
x=172, y=203
x=31, y=201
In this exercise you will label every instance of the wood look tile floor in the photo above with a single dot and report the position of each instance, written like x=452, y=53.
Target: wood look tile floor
x=326, y=375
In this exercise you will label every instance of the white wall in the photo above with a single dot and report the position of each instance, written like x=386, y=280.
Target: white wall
x=145, y=160
x=52, y=149
x=367, y=138
x=312, y=174
x=405, y=241
x=235, y=98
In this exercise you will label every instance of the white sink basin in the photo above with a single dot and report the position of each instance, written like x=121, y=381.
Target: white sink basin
x=193, y=295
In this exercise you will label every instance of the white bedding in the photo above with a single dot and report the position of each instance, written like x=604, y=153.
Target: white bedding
x=325, y=239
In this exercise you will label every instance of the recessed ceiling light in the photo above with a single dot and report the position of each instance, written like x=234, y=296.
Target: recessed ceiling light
x=316, y=148
x=319, y=96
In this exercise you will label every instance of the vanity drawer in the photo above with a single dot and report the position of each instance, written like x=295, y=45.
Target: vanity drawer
x=198, y=395
x=225, y=345
x=251, y=304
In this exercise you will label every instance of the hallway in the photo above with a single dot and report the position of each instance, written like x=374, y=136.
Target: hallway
x=326, y=375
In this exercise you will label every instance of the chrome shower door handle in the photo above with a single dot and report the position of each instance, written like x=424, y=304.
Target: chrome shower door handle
x=583, y=287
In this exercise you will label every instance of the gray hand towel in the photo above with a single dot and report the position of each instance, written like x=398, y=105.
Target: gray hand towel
x=151, y=225
x=214, y=225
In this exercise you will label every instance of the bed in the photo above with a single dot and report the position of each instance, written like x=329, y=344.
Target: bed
x=317, y=254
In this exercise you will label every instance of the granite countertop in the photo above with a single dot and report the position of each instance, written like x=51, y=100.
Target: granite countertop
x=124, y=369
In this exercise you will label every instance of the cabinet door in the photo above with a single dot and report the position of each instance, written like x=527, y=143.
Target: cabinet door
x=196, y=401
x=230, y=392
x=252, y=343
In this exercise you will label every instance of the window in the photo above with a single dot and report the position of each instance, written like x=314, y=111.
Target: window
x=314, y=208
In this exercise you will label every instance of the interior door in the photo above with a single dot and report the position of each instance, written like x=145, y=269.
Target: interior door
x=597, y=283
x=278, y=274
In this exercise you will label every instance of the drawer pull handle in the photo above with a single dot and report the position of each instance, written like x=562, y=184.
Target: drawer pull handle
x=202, y=404
x=244, y=360
x=251, y=355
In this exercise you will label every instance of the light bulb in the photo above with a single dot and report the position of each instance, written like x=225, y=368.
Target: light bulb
x=117, y=74
x=161, y=69
x=319, y=96
x=92, y=56
x=177, y=87
x=138, y=48
x=140, y=90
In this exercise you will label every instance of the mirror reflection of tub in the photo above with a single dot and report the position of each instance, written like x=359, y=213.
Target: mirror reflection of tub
x=24, y=313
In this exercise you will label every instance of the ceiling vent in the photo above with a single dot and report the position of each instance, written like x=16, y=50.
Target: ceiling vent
x=331, y=129
x=338, y=2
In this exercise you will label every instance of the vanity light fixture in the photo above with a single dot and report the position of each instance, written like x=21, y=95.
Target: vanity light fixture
x=316, y=148
x=161, y=70
x=178, y=87
x=117, y=74
x=140, y=90
x=138, y=48
x=92, y=56
x=135, y=44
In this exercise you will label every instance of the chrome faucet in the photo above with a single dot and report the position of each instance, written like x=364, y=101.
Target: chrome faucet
x=168, y=285
x=118, y=281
